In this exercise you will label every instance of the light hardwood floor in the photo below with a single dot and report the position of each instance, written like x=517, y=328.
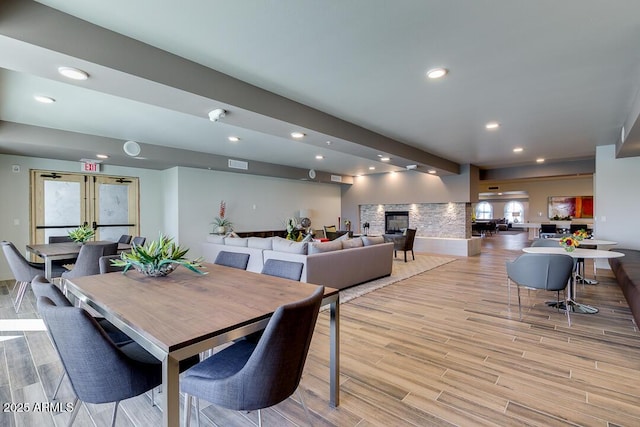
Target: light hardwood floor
x=441, y=348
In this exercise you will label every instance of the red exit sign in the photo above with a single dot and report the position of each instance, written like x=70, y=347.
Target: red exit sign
x=90, y=167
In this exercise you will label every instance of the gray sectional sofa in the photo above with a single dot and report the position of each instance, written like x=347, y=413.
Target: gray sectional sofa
x=337, y=264
x=627, y=272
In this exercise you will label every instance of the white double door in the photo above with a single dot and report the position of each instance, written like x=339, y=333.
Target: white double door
x=62, y=201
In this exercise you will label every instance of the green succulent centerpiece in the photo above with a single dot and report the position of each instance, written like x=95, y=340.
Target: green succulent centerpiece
x=157, y=258
x=82, y=234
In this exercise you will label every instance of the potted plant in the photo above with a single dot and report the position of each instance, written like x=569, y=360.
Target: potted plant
x=82, y=234
x=157, y=258
x=221, y=223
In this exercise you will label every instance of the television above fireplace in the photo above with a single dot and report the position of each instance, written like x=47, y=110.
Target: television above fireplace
x=396, y=221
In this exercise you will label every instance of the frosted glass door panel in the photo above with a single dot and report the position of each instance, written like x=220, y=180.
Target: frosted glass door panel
x=62, y=206
x=116, y=210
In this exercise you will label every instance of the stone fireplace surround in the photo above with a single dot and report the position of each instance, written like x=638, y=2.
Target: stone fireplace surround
x=441, y=227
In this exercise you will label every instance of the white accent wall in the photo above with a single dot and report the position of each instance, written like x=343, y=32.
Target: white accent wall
x=617, y=198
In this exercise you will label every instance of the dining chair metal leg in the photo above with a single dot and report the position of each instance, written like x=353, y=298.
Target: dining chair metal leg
x=519, y=306
x=186, y=410
x=304, y=405
x=55, y=392
x=509, y=292
x=198, y=412
x=20, y=295
x=115, y=414
x=259, y=418
x=76, y=407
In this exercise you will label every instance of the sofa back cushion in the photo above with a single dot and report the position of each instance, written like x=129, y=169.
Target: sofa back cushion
x=216, y=238
x=372, y=240
x=260, y=242
x=319, y=247
x=236, y=241
x=289, y=246
x=352, y=243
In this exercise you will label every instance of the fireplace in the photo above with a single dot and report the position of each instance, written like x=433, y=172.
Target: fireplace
x=396, y=221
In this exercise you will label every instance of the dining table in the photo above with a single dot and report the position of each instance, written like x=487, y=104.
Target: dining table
x=50, y=252
x=577, y=253
x=591, y=243
x=186, y=313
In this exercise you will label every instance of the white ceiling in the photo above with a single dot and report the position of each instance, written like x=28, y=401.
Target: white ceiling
x=560, y=77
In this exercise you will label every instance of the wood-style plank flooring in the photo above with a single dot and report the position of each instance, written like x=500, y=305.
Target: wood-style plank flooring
x=441, y=348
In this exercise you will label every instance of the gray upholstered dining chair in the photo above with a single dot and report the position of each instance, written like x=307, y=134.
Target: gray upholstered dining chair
x=61, y=239
x=232, y=259
x=105, y=264
x=138, y=241
x=43, y=288
x=24, y=271
x=246, y=375
x=88, y=262
x=125, y=238
x=546, y=243
x=99, y=371
x=549, y=272
x=285, y=269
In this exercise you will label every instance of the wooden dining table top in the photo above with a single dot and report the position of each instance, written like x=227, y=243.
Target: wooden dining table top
x=184, y=307
x=65, y=249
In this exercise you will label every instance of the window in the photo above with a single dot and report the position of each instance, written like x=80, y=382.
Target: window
x=484, y=210
x=514, y=212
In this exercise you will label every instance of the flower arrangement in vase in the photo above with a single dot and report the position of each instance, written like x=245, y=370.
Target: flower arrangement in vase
x=221, y=223
x=293, y=231
x=569, y=243
x=157, y=258
x=82, y=234
x=580, y=235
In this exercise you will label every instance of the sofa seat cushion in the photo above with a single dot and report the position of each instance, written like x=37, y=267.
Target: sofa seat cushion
x=319, y=247
x=289, y=246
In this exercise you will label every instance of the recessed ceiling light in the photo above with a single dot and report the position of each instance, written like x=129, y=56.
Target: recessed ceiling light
x=372, y=168
x=319, y=157
x=518, y=150
x=431, y=171
x=492, y=125
x=297, y=135
x=44, y=99
x=385, y=159
x=102, y=156
x=328, y=142
x=234, y=139
x=540, y=160
x=436, y=73
x=73, y=73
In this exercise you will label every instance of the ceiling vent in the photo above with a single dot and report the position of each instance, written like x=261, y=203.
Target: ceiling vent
x=238, y=164
x=336, y=178
x=494, y=188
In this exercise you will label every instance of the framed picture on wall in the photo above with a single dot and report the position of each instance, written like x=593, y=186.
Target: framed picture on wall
x=573, y=206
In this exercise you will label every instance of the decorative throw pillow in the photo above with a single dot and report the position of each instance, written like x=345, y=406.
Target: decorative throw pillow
x=260, y=242
x=345, y=236
x=289, y=246
x=352, y=243
x=372, y=240
x=308, y=238
x=318, y=247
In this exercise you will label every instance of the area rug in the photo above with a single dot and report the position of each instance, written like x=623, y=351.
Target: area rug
x=401, y=270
